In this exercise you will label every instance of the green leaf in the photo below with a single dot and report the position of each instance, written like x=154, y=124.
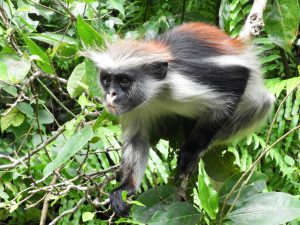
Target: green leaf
x=177, y=213
x=137, y=203
x=255, y=185
x=220, y=165
x=53, y=39
x=45, y=117
x=124, y=195
x=89, y=36
x=44, y=61
x=282, y=19
x=13, y=118
x=155, y=200
x=87, y=216
x=272, y=208
x=26, y=109
x=10, y=89
x=117, y=4
x=93, y=77
x=78, y=75
x=14, y=69
x=207, y=194
x=71, y=147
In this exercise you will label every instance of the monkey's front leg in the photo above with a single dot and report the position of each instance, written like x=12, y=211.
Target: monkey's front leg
x=134, y=161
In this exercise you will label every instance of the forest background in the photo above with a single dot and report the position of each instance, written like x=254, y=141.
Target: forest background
x=60, y=149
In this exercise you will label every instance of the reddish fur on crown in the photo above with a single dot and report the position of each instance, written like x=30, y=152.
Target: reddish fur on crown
x=213, y=36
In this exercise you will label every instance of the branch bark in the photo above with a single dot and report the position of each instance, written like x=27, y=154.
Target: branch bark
x=254, y=22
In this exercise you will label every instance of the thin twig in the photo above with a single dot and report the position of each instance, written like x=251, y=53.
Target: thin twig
x=41, y=146
x=70, y=211
x=46, y=204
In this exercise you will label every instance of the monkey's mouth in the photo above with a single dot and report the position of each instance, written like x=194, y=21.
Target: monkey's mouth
x=112, y=108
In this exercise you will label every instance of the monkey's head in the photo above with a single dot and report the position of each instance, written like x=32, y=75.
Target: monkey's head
x=130, y=73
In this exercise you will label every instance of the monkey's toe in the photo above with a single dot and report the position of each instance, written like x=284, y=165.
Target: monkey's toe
x=120, y=207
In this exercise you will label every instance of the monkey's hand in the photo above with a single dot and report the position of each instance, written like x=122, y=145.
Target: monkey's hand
x=120, y=207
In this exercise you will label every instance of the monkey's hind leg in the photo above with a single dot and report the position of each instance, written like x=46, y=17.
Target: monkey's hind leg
x=196, y=143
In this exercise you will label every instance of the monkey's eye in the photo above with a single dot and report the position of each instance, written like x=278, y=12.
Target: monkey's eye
x=106, y=81
x=124, y=82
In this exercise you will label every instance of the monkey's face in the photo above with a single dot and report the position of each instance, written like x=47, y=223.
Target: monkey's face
x=129, y=88
x=123, y=92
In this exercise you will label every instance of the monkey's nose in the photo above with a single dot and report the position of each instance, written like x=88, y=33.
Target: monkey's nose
x=112, y=93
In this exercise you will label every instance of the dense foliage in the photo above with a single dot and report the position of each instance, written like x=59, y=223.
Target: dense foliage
x=59, y=148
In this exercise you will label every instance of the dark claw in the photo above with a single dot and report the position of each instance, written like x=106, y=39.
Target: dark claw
x=120, y=207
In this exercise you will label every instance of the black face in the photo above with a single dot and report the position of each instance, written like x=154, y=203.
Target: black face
x=120, y=92
x=125, y=90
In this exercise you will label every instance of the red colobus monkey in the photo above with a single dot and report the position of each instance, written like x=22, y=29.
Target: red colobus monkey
x=192, y=82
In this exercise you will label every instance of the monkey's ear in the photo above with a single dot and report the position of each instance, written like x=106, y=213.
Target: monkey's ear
x=159, y=70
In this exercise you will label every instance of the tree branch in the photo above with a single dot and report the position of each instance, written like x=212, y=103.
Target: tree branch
x=254, y=22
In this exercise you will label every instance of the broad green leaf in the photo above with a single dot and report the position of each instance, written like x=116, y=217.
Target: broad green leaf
x=273, y=208
x=118, y=5
x=220, y=165
x=71, y=147
x=207, y=195
x=177, y=213
x=78, y=75
x=282, y=19
x=53, y=39
x=87, y=216
x=44, y=61
x=10, y=89
x=13, y=118
x=13, y=67
x=255, y=185
x=45, y=117
x=155, y=200
x=93, y=77
x=89, y=36
x=26, y=109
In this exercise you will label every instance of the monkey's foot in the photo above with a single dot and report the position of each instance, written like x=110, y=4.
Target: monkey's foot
x=120, y=207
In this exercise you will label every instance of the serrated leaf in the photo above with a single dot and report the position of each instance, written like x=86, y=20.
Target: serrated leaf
x=282, y=20
x=177, y=213
x=272, y=208
x=89, y=36
x=71, y=147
